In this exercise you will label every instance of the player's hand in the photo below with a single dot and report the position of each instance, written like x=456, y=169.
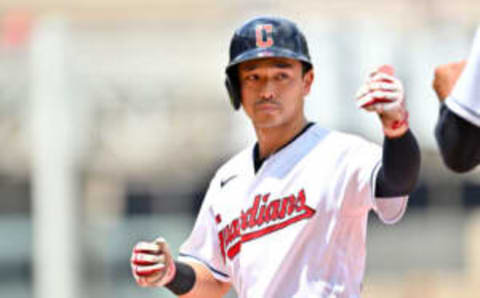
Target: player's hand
x=446, y=76
x=383, y=93
x=152, y=263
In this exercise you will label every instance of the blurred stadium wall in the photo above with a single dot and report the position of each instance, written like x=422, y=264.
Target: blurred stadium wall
x=113, y=118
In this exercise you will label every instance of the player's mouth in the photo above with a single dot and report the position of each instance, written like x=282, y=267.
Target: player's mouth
x=267, y=105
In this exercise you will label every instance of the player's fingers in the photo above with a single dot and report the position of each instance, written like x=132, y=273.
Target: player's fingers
x=381, y=108
x=375, y=97
x=379, y=85
x=362, y=91
x=371, y=102
x=391, y=106
x=383, y=77
x=377, y=108
x=385, y=96
x=147, y=247
x=161, y=244
x=387, y=69
x=148, y=276
x=383, y=86
x=138, y=279
x=143, y=282
x=153, y=279
x=134, y=272
x=364, y=100
x=143, y=271
x=160, y=241
x=146, y=259
x=148, y=280
x=398, y=84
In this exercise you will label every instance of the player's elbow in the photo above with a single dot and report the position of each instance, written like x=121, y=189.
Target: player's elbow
x=397, y=184
x=458, y=163
x=458, y=141
x=407, y=184
x=457, y=156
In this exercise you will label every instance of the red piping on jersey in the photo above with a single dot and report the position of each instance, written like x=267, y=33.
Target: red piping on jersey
x=280, y=212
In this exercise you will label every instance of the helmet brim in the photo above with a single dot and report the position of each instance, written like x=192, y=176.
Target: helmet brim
x=262, y=53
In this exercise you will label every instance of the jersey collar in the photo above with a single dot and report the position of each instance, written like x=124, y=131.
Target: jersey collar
x=257, y=161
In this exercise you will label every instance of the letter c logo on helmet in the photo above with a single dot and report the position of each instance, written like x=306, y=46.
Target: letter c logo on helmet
x=263, y=37
x=261, y=31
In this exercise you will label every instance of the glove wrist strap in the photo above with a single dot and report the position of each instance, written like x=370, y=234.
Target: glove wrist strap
x=396, y=128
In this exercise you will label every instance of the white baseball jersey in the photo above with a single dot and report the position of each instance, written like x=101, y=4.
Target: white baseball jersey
x=297, y=227
x=464, y=100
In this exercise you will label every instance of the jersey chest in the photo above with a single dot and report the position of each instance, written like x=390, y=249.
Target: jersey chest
x=255, y=213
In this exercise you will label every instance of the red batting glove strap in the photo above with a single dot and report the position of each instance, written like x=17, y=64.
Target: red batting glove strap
x=398, y=127
x=399, y=123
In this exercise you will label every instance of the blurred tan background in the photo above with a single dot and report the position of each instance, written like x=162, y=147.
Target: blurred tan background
x=114, y=116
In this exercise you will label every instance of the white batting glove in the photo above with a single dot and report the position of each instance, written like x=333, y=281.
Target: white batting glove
x=383, y=93
x=152, y=263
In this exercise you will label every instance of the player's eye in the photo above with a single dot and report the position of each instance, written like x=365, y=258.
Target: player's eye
x=251, y=78
x=282, y=76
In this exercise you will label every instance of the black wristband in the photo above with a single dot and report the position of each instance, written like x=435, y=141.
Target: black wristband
x=184, y=279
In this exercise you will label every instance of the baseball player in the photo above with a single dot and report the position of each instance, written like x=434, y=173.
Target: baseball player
x=287, y=217
x=458, y=128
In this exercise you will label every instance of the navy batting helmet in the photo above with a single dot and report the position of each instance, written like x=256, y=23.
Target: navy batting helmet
x=263, y=37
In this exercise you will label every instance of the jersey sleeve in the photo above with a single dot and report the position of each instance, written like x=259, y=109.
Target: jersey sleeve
x=465, y=97
x=202, y=246
x=365, y=160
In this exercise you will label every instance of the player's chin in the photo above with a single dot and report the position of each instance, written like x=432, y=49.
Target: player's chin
x=267, y=121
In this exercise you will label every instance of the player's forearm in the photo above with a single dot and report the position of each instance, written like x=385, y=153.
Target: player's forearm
x=400, y=166
x=193, y=280
x=458, y=140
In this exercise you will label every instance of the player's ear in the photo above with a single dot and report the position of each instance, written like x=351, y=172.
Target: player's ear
x=307, y=82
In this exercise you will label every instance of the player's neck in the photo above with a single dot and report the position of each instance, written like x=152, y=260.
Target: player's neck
x=272, y=139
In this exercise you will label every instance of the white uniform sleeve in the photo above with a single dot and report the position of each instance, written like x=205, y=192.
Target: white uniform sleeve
x=202, y=246
x=465, y=97
x=389, y=210
x=365, y=162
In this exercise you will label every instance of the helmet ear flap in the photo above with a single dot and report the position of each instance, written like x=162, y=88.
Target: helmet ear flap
x=233, y=88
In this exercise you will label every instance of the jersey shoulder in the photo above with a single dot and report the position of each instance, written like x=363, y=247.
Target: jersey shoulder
x=347, y=147
x=349, y=141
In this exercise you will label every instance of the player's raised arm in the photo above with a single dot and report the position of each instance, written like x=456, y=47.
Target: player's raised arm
x=383, y=93
x=457, y=138
x=153, y=266
x=457, y=132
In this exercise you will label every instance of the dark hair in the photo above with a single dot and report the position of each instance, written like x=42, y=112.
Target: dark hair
x=306, y=67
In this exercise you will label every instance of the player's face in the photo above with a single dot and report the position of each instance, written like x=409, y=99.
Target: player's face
x=273, y=91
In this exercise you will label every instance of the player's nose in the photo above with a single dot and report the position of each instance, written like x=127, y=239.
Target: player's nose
x=267, y=91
